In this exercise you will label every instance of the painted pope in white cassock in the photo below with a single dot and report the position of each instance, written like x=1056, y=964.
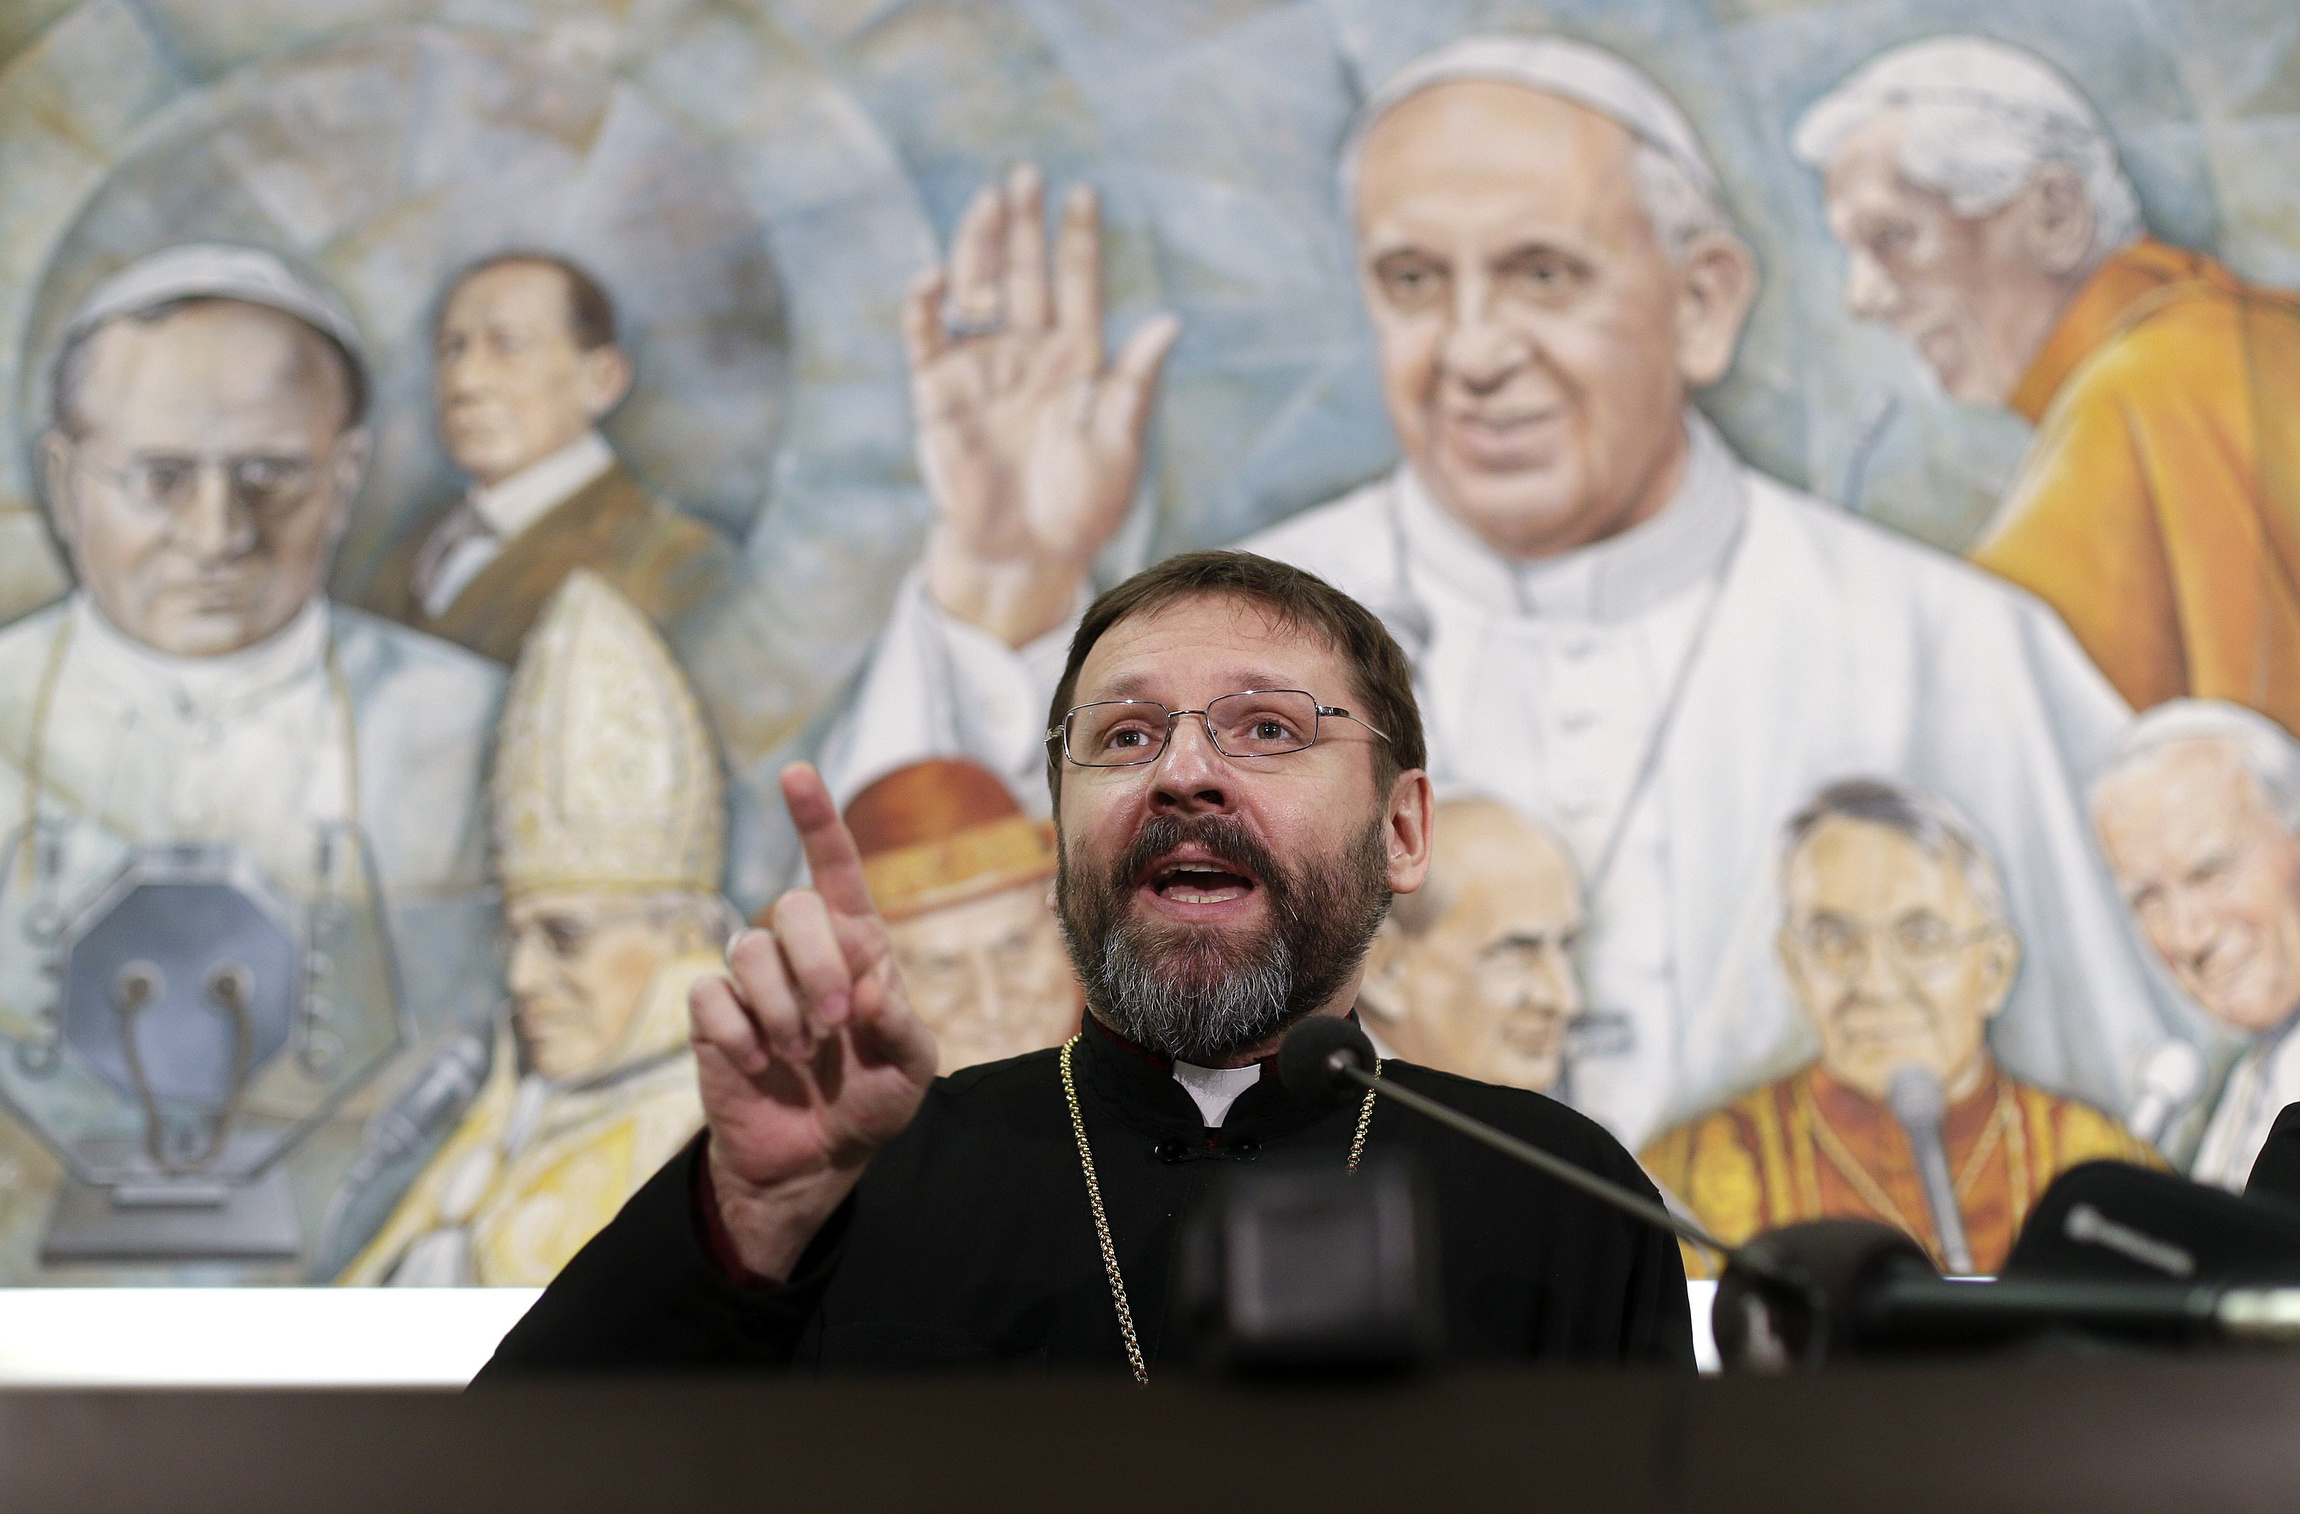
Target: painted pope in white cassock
x=205, y=445
x=1616, y=624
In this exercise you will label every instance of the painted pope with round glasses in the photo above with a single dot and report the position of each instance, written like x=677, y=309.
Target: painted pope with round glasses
x=207, y=436
x=1894, y=940
x=1618, y=626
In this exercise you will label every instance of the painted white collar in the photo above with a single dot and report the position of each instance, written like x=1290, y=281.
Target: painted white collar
x=203, y=684
x=1686, y=543
x=524, y=498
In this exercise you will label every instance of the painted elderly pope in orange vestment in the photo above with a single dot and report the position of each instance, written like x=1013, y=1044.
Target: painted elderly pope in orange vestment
x=1806, y=1148
x=2159, y=511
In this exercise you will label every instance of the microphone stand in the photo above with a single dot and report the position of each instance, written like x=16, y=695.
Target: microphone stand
x=1611, y=1194
x=1335, y=1054
x=1920, y=1104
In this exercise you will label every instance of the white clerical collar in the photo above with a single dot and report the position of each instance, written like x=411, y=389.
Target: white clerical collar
x=295, y=651
x=524, y=498
x=1684, y=544
x=1215, y=1089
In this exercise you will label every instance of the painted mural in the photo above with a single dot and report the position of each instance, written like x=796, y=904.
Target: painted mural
x=459, y=450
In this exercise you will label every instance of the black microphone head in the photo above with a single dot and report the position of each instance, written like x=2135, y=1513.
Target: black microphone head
x=1308, y=1065
x=2276, y=1171
x=1791, y=1296
x=2113, y=1221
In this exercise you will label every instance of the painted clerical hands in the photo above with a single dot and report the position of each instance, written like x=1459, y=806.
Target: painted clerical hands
x=1029, y=443
x=809, y=1056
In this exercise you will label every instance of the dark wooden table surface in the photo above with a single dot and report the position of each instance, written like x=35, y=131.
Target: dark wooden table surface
x=2184, y=1436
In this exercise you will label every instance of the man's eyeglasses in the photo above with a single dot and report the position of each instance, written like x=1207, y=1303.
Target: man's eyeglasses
x=1920, y=940
x=267, y=486
x=1117, y=733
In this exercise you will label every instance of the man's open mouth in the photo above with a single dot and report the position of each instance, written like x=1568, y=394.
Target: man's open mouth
x=1187, y=879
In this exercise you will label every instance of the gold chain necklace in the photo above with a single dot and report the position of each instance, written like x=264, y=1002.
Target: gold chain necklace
x=1102, y=1219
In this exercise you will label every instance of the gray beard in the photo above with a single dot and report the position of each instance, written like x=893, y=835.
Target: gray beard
x=1204, y=997
x=1199, y=1001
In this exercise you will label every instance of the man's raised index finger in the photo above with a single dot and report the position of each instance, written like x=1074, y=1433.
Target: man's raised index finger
x=830, y=846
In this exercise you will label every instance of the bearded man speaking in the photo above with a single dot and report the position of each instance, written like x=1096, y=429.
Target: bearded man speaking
x=1236, y=760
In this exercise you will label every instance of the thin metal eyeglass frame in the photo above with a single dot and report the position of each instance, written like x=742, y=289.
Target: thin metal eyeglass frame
x=1061, y=733
x=1872, y=937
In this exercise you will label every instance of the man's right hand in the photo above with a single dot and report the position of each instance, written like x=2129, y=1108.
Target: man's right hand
x=809, y=1056
x=1029, y=443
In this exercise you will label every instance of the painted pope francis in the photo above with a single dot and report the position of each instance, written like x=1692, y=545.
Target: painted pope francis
x=1618, y=626
x=610, y=827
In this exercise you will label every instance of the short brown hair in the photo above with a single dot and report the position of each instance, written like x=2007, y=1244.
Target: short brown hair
x=590, y=313
x=1303, y=601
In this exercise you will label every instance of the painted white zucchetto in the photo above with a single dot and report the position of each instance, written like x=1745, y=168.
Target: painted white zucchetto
x=606, y=776
x=217, y=271
x=1577, y=71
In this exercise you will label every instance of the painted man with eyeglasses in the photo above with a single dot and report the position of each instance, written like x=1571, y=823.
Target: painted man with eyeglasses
x=1895, y=942
x=1235, y=758
x=206, y=436
x=1618, y=625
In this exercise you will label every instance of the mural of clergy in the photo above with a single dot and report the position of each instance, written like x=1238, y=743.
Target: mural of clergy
x=1618, y=626
x=1986, y=218
x=1473, y=973
x=1895, y=940
x=964, y=881
x=610, y=827
x=526, y=366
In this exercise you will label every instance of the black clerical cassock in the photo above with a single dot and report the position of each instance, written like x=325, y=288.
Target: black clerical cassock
x=970, y=1239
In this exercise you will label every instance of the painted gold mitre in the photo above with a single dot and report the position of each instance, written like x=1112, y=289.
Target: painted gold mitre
x=605, y=773
x=941, y=832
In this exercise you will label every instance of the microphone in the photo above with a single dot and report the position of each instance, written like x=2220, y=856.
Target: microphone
x=2112, y=1253
x=1324, y=1061
x=2115, y=1222
x=1919, y=1103
x=1907, y=1306
x=440, y=1091
x=445, y=1085
x=2170, y=1080
x=1829, y=1289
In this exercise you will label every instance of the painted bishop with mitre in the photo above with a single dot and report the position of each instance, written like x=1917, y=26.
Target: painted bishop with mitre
x=610, y=830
